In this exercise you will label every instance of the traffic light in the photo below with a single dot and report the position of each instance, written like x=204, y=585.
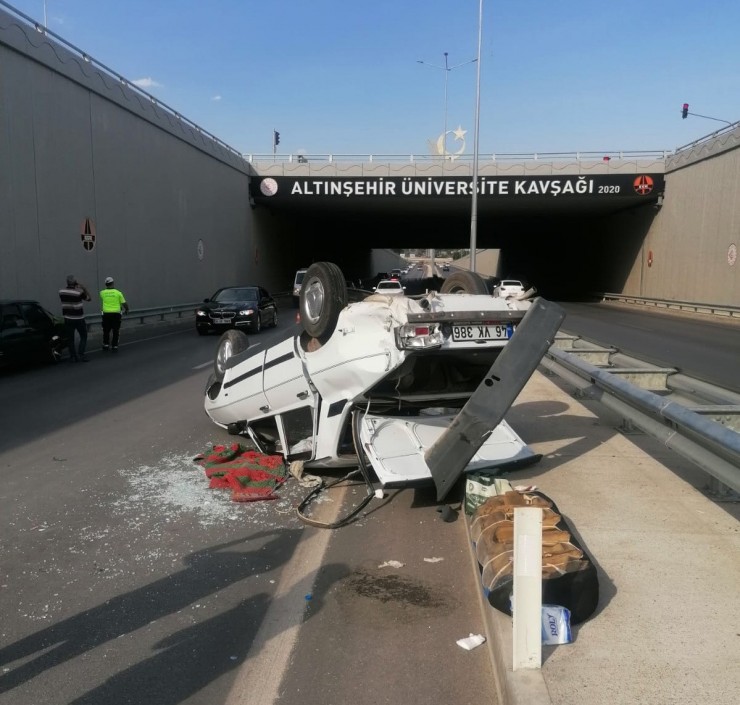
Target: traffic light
x=685, y=110
x=276, y=139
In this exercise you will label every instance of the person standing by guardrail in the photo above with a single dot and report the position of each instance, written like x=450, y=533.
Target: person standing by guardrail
x=72, y=298
x=113, y=305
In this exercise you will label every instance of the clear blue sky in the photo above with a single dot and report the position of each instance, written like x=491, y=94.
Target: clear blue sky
x=341, y=76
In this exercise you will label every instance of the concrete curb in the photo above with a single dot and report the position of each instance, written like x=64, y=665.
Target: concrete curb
x=525, y=687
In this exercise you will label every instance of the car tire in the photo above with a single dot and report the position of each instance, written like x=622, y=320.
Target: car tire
x=232, y=343
x=257, y=323
x=274, y=319
x=464, y=283
x=202, y=331
x=323, y=296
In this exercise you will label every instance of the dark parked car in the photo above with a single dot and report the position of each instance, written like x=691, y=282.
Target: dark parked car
x=243, y=307
x=29, y=332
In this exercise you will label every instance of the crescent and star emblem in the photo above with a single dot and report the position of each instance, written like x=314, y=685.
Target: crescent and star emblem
x=440, y=146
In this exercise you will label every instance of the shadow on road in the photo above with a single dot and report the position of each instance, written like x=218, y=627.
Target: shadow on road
x=186, y=660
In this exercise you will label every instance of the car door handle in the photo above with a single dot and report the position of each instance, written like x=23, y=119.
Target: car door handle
x=264, y=409
x=302, y=395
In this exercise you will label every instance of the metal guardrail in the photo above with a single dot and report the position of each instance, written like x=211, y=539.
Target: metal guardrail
x=141, y=315
x=692, y=306
x=710, y=445
x=707, y=138
x=606, y=155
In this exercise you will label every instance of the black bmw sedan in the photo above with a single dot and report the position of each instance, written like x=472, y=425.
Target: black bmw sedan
x=243, y=307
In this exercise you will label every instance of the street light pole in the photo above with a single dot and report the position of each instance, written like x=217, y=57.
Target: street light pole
x=447, y=75
x=446, y=68
x=474, y=204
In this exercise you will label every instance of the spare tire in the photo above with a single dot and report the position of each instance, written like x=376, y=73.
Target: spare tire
x=323, y=296
x=464, y=283
x=232, y=343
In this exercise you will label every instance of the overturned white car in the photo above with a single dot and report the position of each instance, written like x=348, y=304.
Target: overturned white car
x=386, y=377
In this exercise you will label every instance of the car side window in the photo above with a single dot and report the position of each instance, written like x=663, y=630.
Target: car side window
x=36, y=316
x=265, y=433
x=298, y=428
x=12, y=317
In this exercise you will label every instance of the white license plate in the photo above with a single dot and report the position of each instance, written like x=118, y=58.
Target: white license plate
x=220, y=320
x=503, y=331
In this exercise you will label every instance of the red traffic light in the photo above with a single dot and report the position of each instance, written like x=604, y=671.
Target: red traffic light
x=685, y=110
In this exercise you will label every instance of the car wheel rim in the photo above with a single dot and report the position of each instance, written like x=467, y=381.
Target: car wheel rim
x=314, y=300
x=225, y=351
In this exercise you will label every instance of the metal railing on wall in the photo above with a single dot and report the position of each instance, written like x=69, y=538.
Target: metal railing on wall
x=709, y=137
x=147, y=315
x=727, y=310
x=604, y=156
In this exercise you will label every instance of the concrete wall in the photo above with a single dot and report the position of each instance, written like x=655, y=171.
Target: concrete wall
x=384, y=261
x=168, y=206
x=692, y=237
x=486, y=262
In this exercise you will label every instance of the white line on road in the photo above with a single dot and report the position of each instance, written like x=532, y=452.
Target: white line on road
x=258, y=680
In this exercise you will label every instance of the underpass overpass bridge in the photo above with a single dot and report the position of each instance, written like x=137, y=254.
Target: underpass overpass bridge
x=438, y=190
x=549, y=213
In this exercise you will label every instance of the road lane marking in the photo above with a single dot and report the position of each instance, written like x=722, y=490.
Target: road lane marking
x=260, y=676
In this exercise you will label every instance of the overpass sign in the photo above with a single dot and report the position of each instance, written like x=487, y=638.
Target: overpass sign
x=617, y=189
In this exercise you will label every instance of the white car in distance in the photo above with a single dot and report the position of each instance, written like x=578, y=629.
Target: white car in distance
x=391, y=287
x=507, y=288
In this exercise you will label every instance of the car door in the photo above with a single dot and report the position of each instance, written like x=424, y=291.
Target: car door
x=266, y=306
x=40, y=326
x=15, y=335
x=291, y=396
x=285, y=383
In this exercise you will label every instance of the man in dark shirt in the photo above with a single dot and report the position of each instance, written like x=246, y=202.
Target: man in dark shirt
x=72, y=297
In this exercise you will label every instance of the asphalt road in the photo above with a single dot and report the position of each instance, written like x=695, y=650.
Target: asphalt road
x=124, y=579
x=697, y=345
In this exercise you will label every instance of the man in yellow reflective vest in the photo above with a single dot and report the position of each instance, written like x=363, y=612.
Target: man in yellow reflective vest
x=113, y=305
